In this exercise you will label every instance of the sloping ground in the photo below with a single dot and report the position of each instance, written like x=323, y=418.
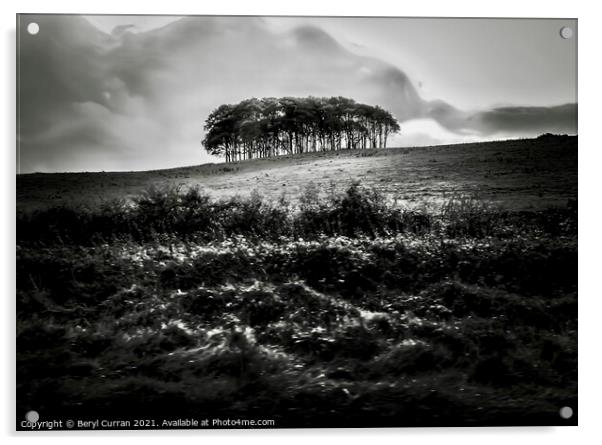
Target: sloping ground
x=517, y=174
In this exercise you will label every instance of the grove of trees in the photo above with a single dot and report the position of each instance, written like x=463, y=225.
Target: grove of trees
x=260, y=128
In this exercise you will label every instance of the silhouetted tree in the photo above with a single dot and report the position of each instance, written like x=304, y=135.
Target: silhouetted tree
x=259, y=128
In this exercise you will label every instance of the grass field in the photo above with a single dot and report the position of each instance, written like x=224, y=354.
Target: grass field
x=518, y=174
x=331, y=306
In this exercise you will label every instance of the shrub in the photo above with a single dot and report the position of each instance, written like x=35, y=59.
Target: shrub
x=466, y=215
x=359, y=211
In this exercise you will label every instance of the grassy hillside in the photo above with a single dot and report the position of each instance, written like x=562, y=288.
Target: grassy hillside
x=331, y=308
x=518, y=174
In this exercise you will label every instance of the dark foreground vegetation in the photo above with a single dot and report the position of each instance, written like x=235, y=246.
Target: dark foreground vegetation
x=339, y=311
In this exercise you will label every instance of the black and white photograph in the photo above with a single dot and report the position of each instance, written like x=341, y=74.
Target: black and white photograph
x=250, y=222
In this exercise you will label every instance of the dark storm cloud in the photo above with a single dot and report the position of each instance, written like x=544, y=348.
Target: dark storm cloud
x=75, y=100
x=61, y=66
x=90, y=100
x=508, y=120
x=560, y=119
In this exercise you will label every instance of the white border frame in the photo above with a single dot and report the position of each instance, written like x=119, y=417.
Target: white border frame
x=590, y=158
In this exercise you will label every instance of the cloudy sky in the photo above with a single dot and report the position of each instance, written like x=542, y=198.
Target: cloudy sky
x=132, y=92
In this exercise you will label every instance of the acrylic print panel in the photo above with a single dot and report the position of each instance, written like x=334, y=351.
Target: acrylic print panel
x=270, y=222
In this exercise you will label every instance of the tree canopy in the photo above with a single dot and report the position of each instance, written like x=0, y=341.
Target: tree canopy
x=260, y=128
